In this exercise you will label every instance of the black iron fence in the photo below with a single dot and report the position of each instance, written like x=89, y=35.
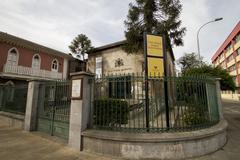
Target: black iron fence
x=119, y=103
x=13, y=98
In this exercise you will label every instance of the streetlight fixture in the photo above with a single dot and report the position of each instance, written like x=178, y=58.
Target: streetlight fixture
x=215, y=20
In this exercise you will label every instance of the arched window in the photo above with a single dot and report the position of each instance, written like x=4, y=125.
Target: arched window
x=36, y=61
x=12, y=57
x=55, y=65
x=9, y=91
x=9, y=83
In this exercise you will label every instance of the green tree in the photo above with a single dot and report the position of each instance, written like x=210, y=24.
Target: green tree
x=190, y=60
x=81, y=45
x=153, y=16
x=226, y=81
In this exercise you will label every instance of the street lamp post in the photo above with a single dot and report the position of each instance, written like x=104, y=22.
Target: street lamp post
x=198, y=45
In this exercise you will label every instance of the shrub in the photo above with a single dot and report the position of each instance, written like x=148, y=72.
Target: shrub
x=110, y=112
x=227, y=82
x=194, y=116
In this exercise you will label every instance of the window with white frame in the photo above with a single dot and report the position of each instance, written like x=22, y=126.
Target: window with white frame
x=98, y=70
x=55, y=65
x=12, y=58
x=36, y=62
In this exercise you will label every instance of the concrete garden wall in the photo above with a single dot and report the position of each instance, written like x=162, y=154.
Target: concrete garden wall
x=11, y=120
x=178, y=145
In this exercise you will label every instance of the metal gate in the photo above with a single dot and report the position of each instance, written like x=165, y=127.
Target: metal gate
x=54, y=101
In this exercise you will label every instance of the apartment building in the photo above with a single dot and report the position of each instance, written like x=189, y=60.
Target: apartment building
x=228, y=55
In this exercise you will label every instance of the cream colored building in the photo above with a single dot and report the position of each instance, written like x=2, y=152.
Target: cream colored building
x=112, y=59
x=112, y=62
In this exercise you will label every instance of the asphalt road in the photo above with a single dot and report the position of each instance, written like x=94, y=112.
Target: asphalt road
x=231, y=151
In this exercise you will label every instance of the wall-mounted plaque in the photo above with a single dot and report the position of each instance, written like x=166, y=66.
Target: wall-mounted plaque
x=77, y=89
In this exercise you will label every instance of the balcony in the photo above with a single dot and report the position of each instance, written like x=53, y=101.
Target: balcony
x=232, y=62
x=229, y=52
x=222, y=59
x=27, y=72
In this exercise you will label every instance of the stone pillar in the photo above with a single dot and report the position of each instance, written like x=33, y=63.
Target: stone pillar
x=219, y=99
x=80, y=107
x=31, y=106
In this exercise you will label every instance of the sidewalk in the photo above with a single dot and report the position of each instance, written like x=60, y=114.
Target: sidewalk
x=16, y=144
x=19, y=145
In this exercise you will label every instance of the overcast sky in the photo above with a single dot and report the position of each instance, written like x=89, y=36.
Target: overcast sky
x=55, y=23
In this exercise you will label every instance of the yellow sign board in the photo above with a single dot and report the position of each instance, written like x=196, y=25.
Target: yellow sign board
x=154, y=46
x=155, y=66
